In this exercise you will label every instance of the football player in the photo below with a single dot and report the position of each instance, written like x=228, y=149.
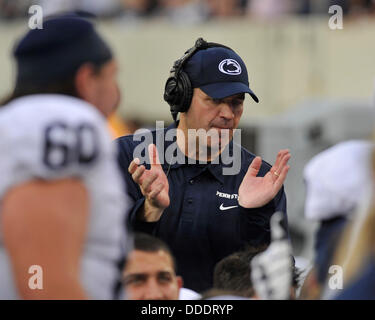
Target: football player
x=62, y=204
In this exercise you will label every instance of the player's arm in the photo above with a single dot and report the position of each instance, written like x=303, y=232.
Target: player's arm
x=44, y=223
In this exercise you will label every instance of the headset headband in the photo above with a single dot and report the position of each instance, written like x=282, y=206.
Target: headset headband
x=200, y=44
x=178, y=91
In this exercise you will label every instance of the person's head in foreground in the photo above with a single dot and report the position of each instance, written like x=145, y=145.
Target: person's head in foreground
x=67, y=57
x=233, y=275
x=150, y=271
x=207, y=87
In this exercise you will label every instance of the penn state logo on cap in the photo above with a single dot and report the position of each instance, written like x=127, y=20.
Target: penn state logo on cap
x=230, y=66
x=219, y=72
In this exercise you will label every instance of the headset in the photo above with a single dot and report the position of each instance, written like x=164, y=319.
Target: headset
x=178, y=91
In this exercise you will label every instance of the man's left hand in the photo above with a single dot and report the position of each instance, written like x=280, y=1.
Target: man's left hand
x=255, y=192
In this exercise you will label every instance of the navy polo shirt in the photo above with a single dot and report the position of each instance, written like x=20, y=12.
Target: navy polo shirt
x=204, y=222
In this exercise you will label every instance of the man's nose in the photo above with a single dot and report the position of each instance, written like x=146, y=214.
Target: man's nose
x=153, y=290
x=226, y=111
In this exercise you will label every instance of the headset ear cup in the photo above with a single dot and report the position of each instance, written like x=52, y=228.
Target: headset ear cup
x=186, y=90
x=171, y=94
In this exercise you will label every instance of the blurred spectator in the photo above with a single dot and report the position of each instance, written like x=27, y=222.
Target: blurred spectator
x=225, y=8
x=336, y=181
x=150, y=271
x=320, y=6
x=270, y=9
x=185, y=11
x=10, y=9
x=52, y=7
x=360, y=7
x=140, y=8
x=100, y=8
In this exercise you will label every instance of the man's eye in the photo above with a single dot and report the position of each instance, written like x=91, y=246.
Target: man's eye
x=237, y=103
x=134, y=281
x=165, y=278
x=216, y=101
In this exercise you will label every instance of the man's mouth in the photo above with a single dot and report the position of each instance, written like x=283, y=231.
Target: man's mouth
x=222, y=127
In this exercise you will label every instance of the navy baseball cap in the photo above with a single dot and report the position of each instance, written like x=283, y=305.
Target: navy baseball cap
x=219, y=72
x=59, y=49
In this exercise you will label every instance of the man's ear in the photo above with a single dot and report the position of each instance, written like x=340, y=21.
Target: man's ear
x=180, y=282
x=83, y=81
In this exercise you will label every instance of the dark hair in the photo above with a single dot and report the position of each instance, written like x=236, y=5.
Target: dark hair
x=233, y=273
x=213, y=293
x=148, y=243
x=64, y=86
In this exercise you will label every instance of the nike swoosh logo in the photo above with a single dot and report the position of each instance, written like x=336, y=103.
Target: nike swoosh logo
x=226, y=208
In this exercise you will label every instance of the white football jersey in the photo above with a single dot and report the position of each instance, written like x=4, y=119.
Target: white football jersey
x=52, y=137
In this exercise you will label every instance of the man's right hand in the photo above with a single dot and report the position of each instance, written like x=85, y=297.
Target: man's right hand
x=154, y=186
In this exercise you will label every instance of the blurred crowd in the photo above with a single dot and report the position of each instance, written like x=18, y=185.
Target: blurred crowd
x=185, y=11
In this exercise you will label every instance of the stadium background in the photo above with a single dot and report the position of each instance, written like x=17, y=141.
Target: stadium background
x=315, y=84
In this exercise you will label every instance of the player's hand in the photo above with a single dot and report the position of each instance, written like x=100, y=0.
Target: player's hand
x=271, y=270
x=255, y=192
x=153, y=184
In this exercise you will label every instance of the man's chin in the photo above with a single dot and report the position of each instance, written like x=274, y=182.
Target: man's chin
x=217, y=145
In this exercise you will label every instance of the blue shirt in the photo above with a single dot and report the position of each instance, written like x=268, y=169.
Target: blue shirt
x=363, y=288
x=204, y=222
